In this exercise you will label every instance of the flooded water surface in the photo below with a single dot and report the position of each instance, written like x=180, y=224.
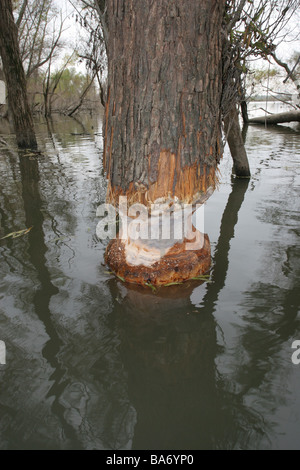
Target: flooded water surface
x=93, y=363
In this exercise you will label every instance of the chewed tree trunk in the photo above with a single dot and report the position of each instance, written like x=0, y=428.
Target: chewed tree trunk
x=162, y=121
x=15, y=78
x=162, y=129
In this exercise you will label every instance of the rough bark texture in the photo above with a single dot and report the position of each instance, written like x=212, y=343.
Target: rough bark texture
x=15, y=78
x=244, y=109
x=291, y=116
x=236, y=144
x=162, y=125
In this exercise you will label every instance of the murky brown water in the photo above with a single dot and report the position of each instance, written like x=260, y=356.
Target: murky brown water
x=96, y=364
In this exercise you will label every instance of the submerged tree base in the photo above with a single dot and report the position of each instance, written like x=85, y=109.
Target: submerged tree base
x=185, y=260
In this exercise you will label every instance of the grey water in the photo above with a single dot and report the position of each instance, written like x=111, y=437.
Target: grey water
x=93, y=363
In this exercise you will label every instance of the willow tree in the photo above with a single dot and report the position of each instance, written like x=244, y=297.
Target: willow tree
x=15, y=78
x=254, y=29
x=162, y=130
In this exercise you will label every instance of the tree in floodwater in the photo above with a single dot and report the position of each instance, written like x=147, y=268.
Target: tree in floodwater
x=91, y=47
x=251, y=29
x=162, y=130
x=94, y=54
x=254, y=29
x=241, y=165
x=15, y=78
x=73, y=91
x=40, y=26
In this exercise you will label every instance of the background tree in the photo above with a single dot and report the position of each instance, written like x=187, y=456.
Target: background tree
x=73, y=88
x=15, y=78
x=92, y=45
x=251, y=29
x=51, y=81
x=85, y=86
x=40, y=27
x=254, y=29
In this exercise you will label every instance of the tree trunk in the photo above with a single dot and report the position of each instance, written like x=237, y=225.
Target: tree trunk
x=236, y=144
x=290, y=116
x=244, y=109
x=162, y=131
x=15, y=78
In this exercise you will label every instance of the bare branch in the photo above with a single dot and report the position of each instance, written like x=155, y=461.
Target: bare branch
x=22, y=12
x=53, y=47
x=85, y=91
x=292, y=71
x=237, y=16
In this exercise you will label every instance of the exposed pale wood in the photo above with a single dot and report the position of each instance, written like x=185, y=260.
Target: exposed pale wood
x=178, y=265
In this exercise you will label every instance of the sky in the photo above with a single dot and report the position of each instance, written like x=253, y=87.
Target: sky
x=284, y=50
x=71, y=36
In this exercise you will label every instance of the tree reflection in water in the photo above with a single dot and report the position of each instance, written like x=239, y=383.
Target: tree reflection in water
x=94, y=363
x=169, y=349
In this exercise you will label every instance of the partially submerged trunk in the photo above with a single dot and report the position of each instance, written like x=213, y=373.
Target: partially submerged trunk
x=244, y=109
x=236, y=144
x=15, y=78
x=162, y=130
x=290, y=116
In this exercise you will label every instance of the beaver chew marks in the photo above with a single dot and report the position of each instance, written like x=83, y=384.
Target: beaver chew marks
x=183, y=261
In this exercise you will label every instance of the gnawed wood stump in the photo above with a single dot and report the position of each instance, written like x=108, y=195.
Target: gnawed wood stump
x=178, y=264
x=162, y=247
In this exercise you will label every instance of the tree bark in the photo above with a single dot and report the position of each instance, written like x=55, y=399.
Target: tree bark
x=291, y=116
x=15, y=78
x=244, y=109
x=162, y=130
x=236, y=144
